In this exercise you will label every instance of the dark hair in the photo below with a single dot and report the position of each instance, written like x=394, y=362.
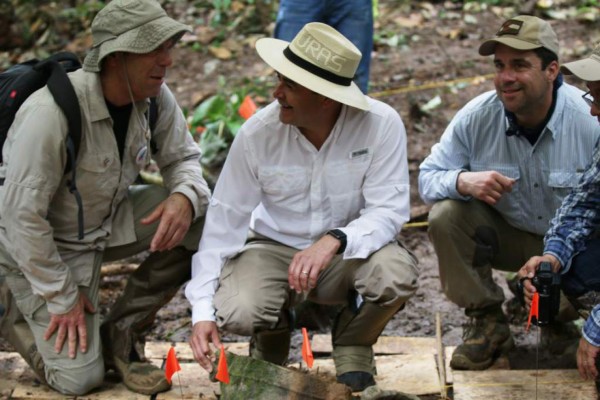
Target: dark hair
x=546, y=56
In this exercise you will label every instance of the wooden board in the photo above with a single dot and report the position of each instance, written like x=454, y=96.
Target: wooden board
x=521, y=385
x=183, y=351
x=407, y=373
x=385, y=345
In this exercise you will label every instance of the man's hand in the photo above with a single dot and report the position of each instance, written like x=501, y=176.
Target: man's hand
x=203, y=333
x=527, y=272
x=175, y=214
x=586, y=359
x=487, y=186
x=308, y=263
x=71, y=326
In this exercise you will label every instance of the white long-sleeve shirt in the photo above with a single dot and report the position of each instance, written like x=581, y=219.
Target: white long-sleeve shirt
x=278, y=184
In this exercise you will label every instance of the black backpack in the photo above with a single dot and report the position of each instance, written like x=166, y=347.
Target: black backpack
x=20, y=81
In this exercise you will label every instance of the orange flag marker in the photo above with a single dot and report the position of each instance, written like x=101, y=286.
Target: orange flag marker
x=222, y=371
x=307, y=354
x=534, y=310
x=247, y=108
x=172, y=365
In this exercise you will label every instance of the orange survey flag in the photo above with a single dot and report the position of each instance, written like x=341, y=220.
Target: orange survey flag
x=534, y=311
x=307, y=354
x=247, y=108
x=172, y=365
x=222, y=371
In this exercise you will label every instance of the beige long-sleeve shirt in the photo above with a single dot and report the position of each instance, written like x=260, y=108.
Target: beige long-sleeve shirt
x=38, y=214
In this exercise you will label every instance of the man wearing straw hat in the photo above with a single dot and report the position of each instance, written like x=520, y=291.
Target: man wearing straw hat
x=497, y=176
x=308, y=205
x=52, y=316
x=572, y=245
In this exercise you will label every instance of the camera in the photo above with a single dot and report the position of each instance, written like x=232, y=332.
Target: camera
x=547, y=284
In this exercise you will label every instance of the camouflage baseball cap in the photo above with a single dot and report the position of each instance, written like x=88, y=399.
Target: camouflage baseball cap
x=523, y=33
x=132, y=26
x=587, y=69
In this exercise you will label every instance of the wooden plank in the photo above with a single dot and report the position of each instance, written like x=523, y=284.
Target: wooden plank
x=385, y=345
x=183, y=351
x=521, y=385
x=407, y=373
x=441, y=365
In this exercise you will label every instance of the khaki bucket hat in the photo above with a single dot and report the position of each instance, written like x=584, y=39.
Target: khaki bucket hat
x=587, y=69
x=132, y=26
x=320, y=59
x=524, y=32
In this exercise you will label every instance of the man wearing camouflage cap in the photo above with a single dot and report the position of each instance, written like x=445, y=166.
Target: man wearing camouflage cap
x=49, y=276
x=497, y=176
x=572, y=245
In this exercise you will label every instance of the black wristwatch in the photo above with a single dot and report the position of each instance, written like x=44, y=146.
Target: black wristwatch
x=341, y=236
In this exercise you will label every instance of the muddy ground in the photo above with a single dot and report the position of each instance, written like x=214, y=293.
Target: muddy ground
x=425, y=54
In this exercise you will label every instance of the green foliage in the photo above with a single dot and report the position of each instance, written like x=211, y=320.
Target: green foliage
x=217, y=121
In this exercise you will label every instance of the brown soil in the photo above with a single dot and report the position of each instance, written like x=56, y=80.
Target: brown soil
x=438, y=57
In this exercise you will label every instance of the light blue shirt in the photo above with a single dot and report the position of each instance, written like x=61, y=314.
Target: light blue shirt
x=476, y=140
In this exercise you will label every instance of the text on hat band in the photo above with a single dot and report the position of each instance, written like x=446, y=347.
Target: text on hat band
x=316, y=70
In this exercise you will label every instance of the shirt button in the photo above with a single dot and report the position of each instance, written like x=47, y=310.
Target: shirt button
x=539, y=217
x=106, y=162
x=535, y=185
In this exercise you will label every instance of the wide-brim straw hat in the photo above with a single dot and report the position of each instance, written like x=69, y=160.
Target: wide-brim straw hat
x=587, y=69
x=132, y=26
x=320, y=59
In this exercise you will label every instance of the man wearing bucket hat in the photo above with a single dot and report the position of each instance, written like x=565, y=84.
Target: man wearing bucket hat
x=53, y=275
x=497, y=176
x=572, y=245
x=307, y=207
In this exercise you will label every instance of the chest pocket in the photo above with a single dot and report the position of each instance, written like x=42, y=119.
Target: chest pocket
x=98, y=178
x=286, y=187
x=561, y=183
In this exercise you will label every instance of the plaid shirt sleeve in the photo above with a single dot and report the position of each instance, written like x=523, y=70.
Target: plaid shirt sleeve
x=577, y=217
x=591, y=329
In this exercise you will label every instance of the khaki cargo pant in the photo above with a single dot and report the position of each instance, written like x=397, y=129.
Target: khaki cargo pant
x=151, y=286
x=253, y=298
x=470, y=238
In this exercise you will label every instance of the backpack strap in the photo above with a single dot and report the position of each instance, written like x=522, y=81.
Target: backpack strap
x=64, y=94
x=152, y=118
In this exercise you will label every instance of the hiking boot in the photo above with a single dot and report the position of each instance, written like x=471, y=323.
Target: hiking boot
x=485, y=336
x=357, y=380
x=141, y=377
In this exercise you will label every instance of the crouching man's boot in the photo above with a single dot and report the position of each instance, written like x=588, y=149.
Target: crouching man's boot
x=485, y=336
x=123, y=356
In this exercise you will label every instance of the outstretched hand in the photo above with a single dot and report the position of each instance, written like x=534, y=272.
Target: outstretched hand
x=71, y=326
x=204, y=333
x=175, y=215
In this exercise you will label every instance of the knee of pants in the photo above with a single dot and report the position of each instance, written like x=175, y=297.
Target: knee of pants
x=76, y=381
x=392, y=277
x=444, y=215
x=244, y=315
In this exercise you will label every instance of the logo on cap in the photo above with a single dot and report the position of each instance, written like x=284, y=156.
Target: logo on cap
x=510, y=27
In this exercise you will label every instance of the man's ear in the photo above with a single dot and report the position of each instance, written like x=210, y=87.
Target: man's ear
x=552, y=70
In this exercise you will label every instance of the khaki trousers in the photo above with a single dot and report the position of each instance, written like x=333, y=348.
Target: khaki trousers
x=151, y=286
x=470, y=238
x=253, y=298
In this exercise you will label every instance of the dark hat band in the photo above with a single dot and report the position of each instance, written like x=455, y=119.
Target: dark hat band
x=316, y=70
